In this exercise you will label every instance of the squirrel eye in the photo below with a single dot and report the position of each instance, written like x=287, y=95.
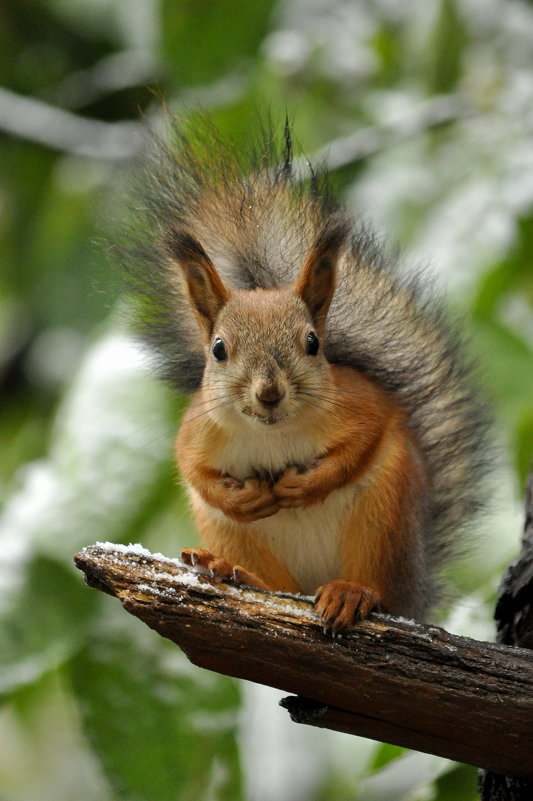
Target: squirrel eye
x=311, y=344
x=219, y=350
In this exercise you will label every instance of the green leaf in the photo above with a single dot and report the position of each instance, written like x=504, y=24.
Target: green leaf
x=512, y=273
x=164, y=731
x=386, y=753
x=446, y=48
x=458, y=784
x=45, y=623
x=212, y=38
x=523, y=445
x=507, y=364
x=406, y=779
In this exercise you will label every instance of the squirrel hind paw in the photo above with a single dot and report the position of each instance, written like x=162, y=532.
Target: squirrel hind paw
x=206, y=564
x=218, y=569
x=242, y=576
x=340, y=603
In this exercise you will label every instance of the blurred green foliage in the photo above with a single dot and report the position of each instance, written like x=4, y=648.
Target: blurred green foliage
x=87, y=430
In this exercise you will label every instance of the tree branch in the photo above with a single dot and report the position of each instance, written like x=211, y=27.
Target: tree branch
x=389, y=679
x=366, y=142
x=36, y=121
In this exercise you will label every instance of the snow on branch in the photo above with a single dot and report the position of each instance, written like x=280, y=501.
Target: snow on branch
x=389, y=679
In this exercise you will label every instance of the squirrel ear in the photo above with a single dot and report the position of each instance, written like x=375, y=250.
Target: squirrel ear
x=207, y=292
x=317, y=279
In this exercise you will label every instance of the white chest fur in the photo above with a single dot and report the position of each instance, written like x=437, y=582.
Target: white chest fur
x=307, y=540
x=259, y=449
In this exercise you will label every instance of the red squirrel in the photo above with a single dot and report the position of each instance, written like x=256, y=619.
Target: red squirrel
x=334, y=443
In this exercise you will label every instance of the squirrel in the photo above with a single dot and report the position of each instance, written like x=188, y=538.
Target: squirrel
x=335, y=441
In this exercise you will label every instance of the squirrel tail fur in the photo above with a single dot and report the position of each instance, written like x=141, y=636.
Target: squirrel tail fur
x=256, y=216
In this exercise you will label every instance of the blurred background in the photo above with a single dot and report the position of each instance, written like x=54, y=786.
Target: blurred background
x=424, y=112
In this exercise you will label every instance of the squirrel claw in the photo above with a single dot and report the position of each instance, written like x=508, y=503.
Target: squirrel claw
x=340, y=603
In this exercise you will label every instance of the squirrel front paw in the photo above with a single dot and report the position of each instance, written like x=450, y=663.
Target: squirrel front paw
x=340, y=603
x=246, y=501
x=218, y=569
x=298, y=486
x=207, y=564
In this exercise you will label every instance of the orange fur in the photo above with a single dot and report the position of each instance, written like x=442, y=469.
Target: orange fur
x=379, y=537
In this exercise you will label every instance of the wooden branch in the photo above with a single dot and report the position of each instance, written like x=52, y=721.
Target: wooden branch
x=389, y=679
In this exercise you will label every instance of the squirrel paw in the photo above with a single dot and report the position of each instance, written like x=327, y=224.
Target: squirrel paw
x=205, y=563
x=218, y=569
x=249, y=500
x=340, y=603
x=296, y=486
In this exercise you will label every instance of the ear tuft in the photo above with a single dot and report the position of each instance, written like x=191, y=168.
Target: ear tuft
x=317, y=279
x=182, y=246
x=207, y=292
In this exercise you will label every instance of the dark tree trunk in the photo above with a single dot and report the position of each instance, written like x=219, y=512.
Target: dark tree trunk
x=514, y=616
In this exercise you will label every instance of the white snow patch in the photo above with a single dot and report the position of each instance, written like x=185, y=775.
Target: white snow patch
x=188, y=577
x=111, y=440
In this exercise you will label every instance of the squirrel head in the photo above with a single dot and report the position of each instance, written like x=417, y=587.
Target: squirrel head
x=264, y=347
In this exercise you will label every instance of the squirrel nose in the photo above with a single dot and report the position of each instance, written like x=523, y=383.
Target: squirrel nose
x=269, y=393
